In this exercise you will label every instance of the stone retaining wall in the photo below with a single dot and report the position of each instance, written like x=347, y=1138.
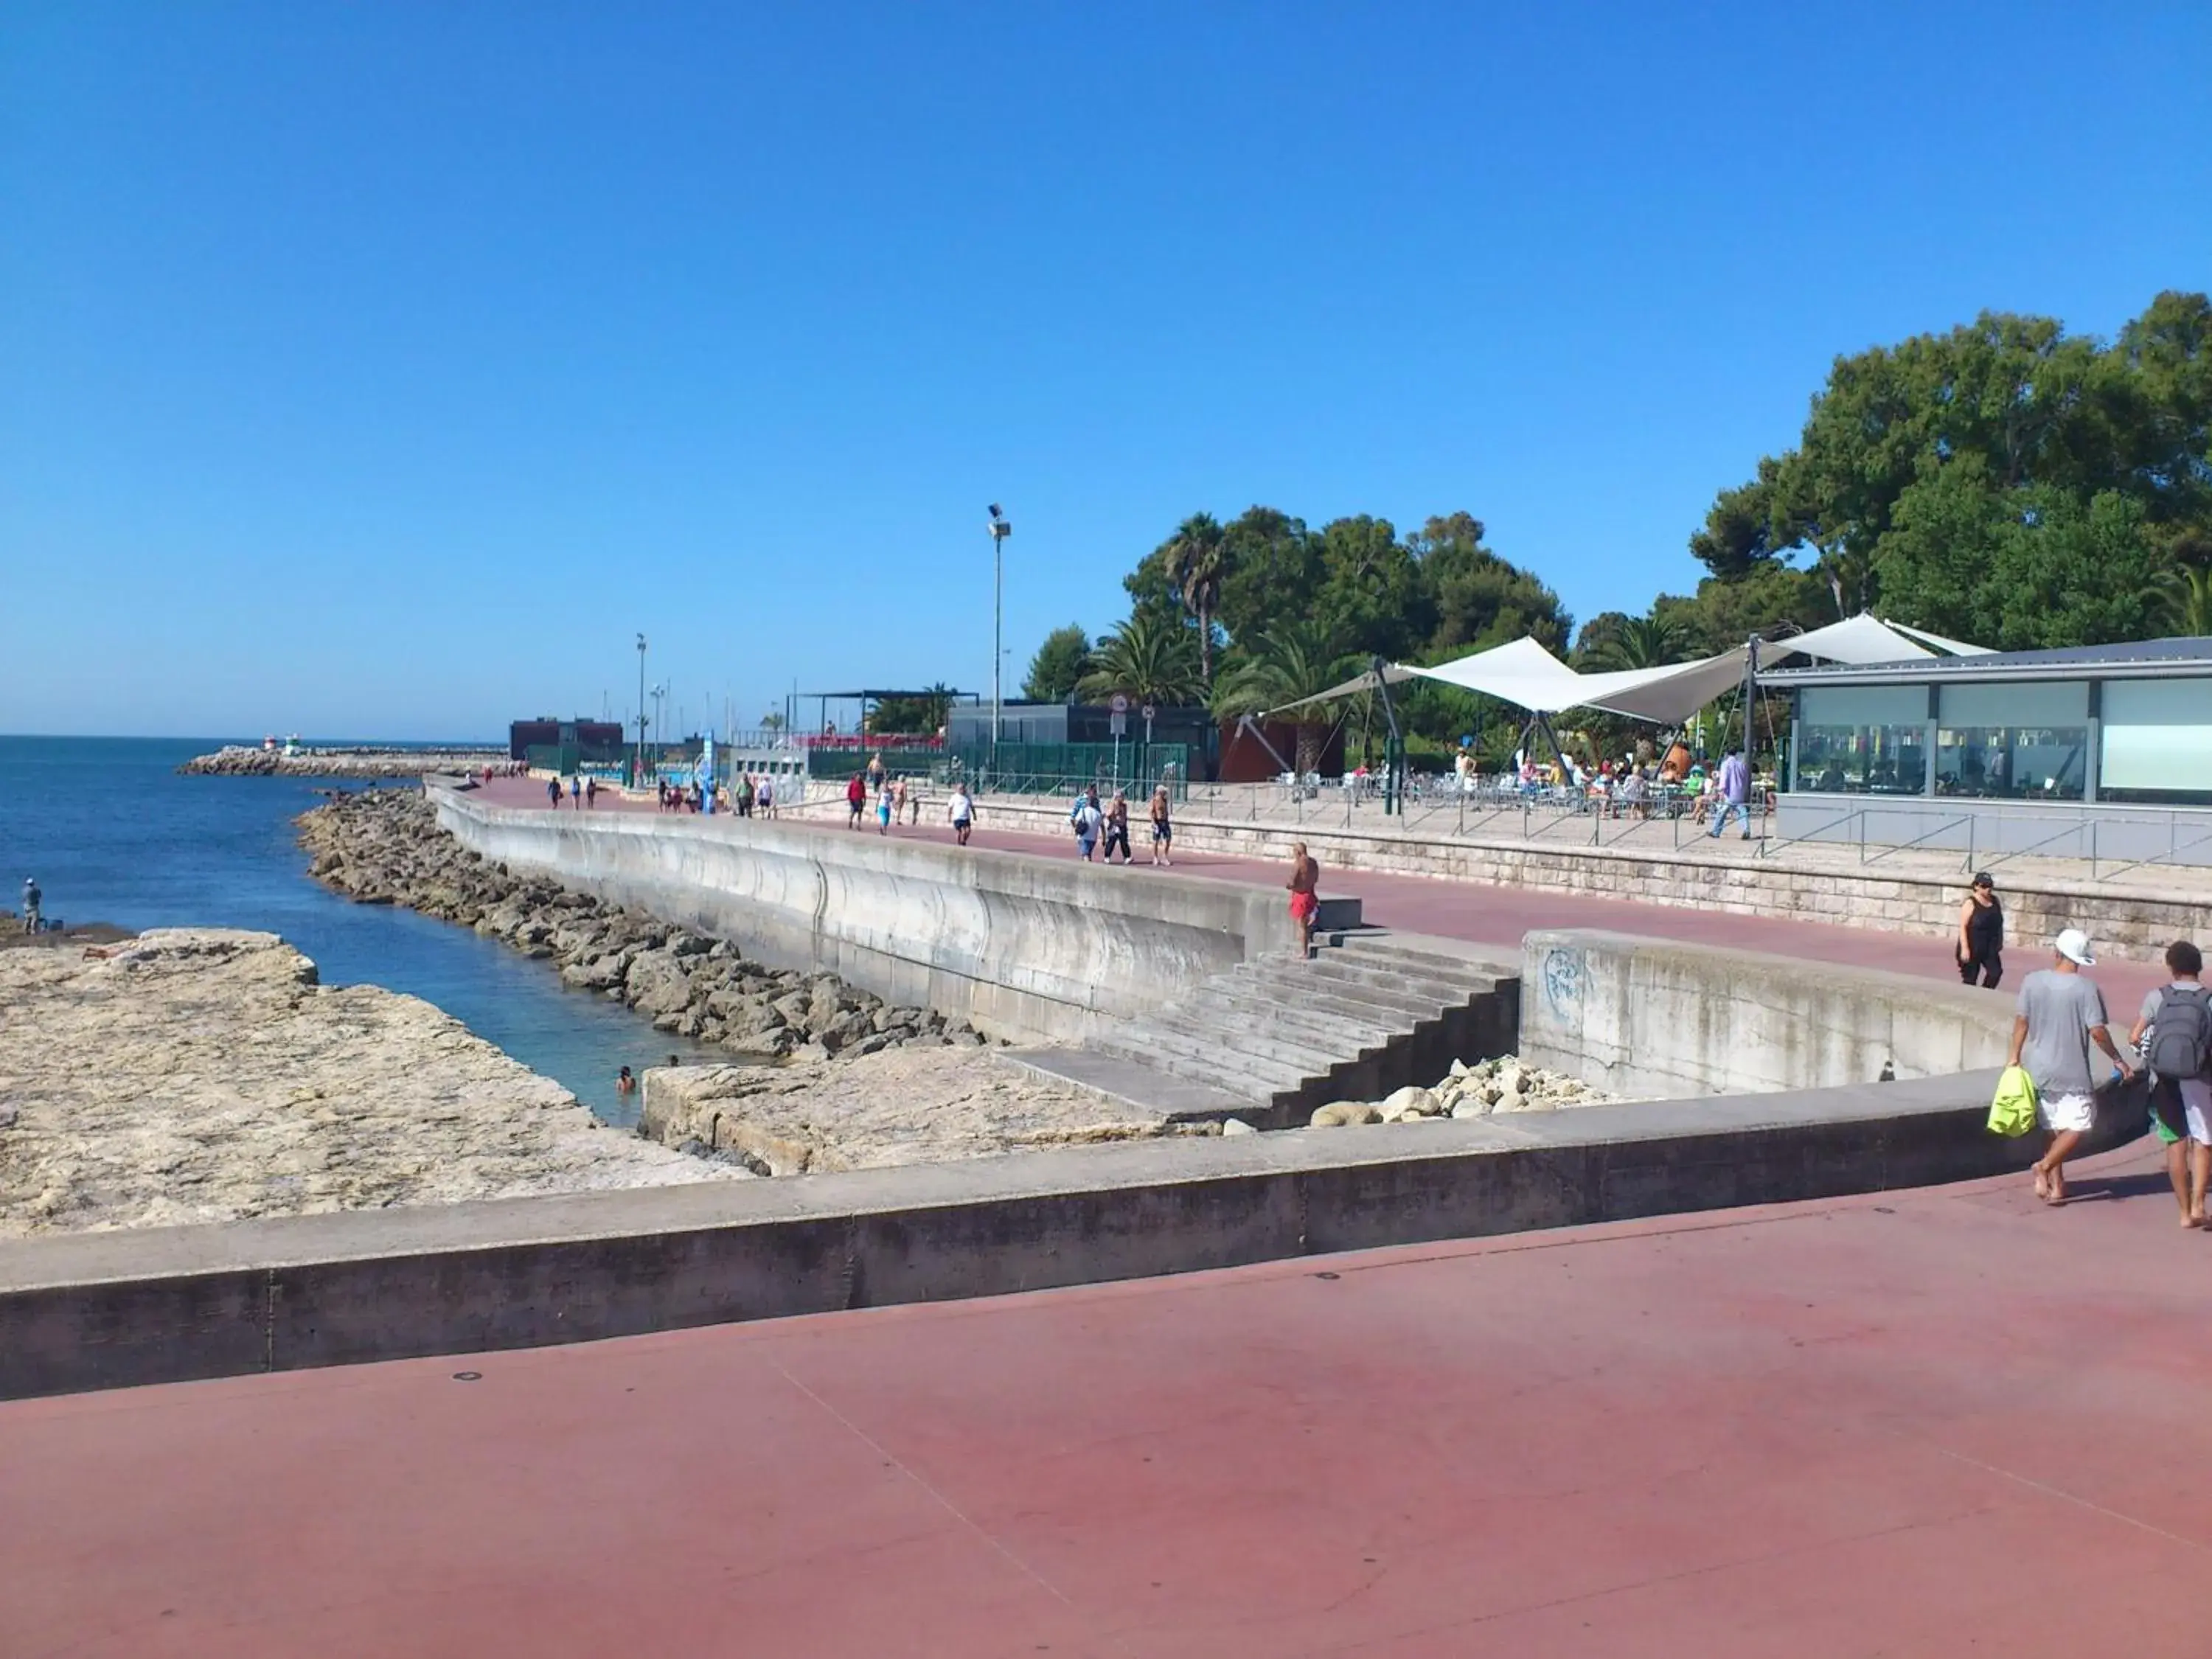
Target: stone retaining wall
x=2124, y=924
x=1026, y=947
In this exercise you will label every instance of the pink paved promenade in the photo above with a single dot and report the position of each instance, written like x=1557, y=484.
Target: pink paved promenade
x=1501, y=915
x=1933, y=1423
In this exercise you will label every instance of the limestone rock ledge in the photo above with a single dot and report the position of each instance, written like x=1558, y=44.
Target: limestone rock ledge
x=193, y=1075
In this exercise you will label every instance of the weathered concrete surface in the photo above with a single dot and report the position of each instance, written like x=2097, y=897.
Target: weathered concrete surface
x=204, y=1075
x=1025, y=947
x=1649, y=1018
x=902, y=1106
x=108, y=1309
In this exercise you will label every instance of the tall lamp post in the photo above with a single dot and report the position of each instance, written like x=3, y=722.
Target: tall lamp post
x=637, y=772
x=1000, y=530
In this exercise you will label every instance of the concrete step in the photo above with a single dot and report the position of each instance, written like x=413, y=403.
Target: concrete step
x=1286, y=1065
x=1258, y=1096
x=1445, y=958
x=1297, y=985
x=1343, y=1027
x=1390, y=976
x=1145, y=1092
x=1248, y=1076
x=1270, y=1035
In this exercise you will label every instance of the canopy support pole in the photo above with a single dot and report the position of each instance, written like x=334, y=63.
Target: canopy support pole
x=1394, y=757
x=1246, y=723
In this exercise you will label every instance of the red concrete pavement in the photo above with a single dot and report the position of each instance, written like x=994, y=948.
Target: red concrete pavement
x=1501, y=915
x=1933, y=1423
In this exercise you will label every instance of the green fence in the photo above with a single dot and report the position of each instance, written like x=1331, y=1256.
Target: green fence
x=1052, y=767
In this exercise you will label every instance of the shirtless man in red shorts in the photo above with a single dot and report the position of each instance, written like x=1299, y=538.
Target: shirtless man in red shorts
x=1305, y=878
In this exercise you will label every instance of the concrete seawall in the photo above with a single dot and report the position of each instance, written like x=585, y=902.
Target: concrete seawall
x=1024, y=946
x=118, y=1308
x=1655, y=1018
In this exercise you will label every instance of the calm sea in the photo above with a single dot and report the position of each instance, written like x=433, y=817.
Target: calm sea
x=112, y=834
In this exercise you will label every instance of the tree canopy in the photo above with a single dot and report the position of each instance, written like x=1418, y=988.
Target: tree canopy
x=1060, y=665
x=2005, y=482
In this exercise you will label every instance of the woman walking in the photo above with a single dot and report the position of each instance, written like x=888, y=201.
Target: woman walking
x=1980, y=947
x=1117, y=830
x=1162, y=829
x=884, y=811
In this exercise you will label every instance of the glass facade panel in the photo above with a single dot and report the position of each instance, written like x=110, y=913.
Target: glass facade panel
x=2155, y=742
x=1862, y=740
x=2024, y=741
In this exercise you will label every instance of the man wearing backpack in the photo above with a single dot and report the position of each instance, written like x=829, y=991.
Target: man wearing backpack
x=2178, y=1049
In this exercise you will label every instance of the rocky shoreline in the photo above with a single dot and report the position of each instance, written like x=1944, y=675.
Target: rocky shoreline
x=202, y=1075
x=250, y=761
x=384, y=847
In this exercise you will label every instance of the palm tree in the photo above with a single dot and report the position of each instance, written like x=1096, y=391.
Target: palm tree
x=1292, y=663
x=2184, y=597
x=1198, y=560
x=1649, y=641
x=1144, y=659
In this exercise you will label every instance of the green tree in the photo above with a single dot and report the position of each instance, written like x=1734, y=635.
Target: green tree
x=1372, y=599
x=1197, y=558
x=1146, y=661
x=2187, y=601
x=920, y=715
x=1274, y=572
x=1287, y=665
x=1060, y=662
x=1614, y=641
x=1474, y=599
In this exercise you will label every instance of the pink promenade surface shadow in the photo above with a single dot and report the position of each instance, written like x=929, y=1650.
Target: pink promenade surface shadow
x=1937, y=1423
x=1501, y=915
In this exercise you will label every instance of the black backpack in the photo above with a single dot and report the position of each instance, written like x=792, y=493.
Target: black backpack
x=2179, y=1044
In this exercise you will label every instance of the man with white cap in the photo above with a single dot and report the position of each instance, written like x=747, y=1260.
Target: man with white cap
x=2061, y=1015
x=31, y=900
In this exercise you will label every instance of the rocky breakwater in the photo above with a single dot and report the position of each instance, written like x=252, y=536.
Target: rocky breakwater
x=204, y=1075
x=1486, y=1089
x=250, y=761
x=384, y=846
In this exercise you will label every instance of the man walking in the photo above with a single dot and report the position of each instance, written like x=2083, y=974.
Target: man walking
x=32, y=896
x=1734, y=784
x=1088, y=819
x=1306, y=897
x=856, y=800
x=2061, y=1016
x=2178, y=1018
x=553, y=792
x=962, y=812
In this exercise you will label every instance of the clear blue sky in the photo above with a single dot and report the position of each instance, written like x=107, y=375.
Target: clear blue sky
x=381, y=369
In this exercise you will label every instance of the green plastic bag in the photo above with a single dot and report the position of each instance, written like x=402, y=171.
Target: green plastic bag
x=2012, y=1110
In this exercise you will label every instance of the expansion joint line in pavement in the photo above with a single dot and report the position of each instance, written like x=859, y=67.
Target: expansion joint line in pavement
x=951, y=1508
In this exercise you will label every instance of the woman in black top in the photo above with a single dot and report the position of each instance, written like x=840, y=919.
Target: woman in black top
x=1980, y=949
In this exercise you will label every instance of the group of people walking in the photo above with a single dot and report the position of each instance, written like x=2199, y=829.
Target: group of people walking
x=1107, y=824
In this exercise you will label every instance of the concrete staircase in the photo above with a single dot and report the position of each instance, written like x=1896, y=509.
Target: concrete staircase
x=1269, y=1040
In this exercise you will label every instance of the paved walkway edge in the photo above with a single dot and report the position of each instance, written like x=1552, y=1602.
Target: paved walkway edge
x=114, y=1309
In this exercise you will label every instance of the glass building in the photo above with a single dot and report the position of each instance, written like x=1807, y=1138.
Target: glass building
x=2046, y=748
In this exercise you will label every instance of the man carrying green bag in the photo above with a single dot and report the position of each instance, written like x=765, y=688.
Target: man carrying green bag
x=2012, y=1112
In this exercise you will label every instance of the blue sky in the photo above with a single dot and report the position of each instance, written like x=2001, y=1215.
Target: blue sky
x=383, y=369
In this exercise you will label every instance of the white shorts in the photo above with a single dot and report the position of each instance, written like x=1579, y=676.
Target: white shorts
x=2067, y=1112
x=2197, y=1107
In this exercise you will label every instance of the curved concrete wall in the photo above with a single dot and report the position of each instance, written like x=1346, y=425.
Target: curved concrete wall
x=1653, y=1019
x=1025, y=947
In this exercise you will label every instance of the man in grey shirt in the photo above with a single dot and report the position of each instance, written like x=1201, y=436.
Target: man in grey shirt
x=2061, y=1015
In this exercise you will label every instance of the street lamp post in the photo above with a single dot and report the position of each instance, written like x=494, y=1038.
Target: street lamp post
x=1000, y=530
x=637, y=772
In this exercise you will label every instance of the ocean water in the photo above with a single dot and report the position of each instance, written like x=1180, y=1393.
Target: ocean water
x=112, y=834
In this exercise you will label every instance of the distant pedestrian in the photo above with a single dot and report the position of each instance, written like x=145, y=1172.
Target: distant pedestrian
x=591, y=792
x=898, y=801
x=1734, y=794
x=914, y=805
x=553, y=792
x=1980, y=949
x=31, y=900
x=856, y=798
x=764, y=798
x=1305, y=895
x=625, y=1083
x=2177, y=1019
x=1088, y=820
x=746, y=795
x=884, y=811
x=1163, y=828
x=2061, y=1017
x=577, y=792
x=875, y=772
x=962, y=812
x=1117, y=828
